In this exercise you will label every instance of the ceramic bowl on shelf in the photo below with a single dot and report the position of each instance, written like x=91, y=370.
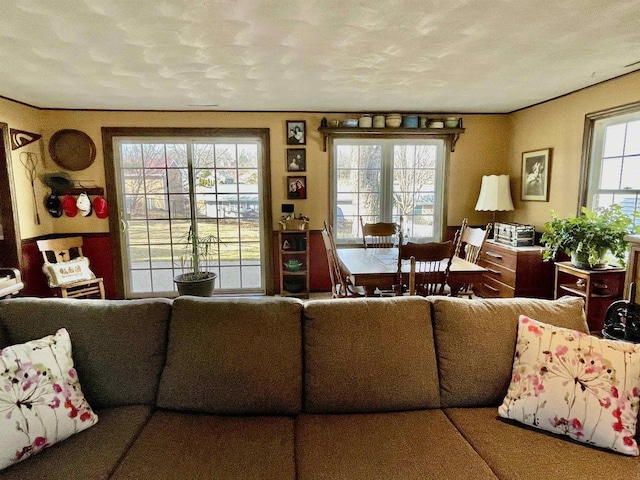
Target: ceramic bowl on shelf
x=436, y=124
x=451, y=122
x=350, y=122
x=293, y=265
x=294, y=285
x=393, y=120
x=333, y=123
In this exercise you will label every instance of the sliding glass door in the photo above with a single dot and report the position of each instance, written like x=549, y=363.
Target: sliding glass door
x=167, y=186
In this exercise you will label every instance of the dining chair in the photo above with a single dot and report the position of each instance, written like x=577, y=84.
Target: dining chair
x=341, y=287
x=471, y=241
x=430, y=266
x=67, y=269
x=380, y=234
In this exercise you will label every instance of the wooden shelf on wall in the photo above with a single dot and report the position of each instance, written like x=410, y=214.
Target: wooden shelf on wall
x=451, y=135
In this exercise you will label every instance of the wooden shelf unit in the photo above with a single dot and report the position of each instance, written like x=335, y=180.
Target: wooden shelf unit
x=297, y=243
x=599, y=289
x=451, y=135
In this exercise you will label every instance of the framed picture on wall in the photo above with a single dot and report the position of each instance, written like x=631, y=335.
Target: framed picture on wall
x=536, y=173
x=296, y=188
x=296, y=160
x=296, y=132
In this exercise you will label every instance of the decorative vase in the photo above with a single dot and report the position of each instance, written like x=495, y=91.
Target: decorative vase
x=200, y=287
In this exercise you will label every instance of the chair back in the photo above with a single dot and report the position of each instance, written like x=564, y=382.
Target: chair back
x=430, y=266
x=473, y=240
x=60, y=249
x=335, y=275
x=379, y=235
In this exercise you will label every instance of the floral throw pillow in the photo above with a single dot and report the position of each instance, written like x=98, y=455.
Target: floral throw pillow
x=41, y=402
x=574, y=384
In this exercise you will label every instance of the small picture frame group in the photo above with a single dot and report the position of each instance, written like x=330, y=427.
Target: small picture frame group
x=296, y=188
x=296, y=160
x=296, y=132
x=536, y=173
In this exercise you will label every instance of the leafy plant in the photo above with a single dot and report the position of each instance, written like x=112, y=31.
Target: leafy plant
x=198, y=250
x=590, y=235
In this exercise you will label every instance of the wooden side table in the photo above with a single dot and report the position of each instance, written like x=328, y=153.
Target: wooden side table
x=599, y=288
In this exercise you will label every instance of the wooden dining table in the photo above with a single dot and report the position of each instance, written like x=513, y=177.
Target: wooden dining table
x=373, y=268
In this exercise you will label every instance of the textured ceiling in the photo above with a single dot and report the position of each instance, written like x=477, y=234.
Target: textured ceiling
x=312, y=55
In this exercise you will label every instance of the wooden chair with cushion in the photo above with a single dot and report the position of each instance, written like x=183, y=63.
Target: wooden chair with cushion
x=471, y=241
x=341, y=287
x=379, y=235
x=430, y=266
x=67, y=269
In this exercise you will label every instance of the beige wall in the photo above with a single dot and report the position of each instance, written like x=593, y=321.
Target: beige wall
x=482, y=149
x=492, y=144
x=559, y=124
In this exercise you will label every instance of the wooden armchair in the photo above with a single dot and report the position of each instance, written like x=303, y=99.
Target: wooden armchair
x=10, y=282
x=63, y=259
x=341, y=287
x=472, y=240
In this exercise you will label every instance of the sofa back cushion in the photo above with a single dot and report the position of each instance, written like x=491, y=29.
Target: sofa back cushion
x=369, y=355
x=476, y=339
x=118, y=345
x=234, y=356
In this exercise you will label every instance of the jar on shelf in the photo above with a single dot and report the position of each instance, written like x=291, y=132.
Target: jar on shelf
x=364, y=121
x=378, y=121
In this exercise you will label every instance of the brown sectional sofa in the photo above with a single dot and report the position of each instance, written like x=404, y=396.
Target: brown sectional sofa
x=271, y=388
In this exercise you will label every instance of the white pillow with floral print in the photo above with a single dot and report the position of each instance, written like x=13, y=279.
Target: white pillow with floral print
x=574, y=384
x=41, y=402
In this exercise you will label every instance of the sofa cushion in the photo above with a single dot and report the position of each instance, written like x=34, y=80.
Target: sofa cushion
x=421, y=444
x=369, y=355
x=193, y=446
x=89, y=455
x=476, y=339
x=41, y=401
x=514, y=451
x=573, y=384
x=234, y=356
x=118, y=345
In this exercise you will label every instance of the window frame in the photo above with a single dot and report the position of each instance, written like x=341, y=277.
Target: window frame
x=447, y=147
x=590, y=142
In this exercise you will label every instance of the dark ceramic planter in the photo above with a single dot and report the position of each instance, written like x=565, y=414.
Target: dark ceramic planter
x=202, y=287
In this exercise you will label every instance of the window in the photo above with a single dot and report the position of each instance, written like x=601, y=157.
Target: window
x=614, y=161
x=383, y=179
x=169, y=184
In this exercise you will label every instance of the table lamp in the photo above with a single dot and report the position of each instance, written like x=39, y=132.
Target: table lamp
x=495, y=195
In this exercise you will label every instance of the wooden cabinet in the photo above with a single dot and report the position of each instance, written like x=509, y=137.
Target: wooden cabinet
x=514, y=272
x=294, y=248
x=599, y=288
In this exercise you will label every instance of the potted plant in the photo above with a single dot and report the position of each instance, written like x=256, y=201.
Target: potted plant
x=588, y=237
x=198, y=250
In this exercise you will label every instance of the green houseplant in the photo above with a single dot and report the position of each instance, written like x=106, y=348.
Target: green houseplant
x=194, y=280
x=588, y=237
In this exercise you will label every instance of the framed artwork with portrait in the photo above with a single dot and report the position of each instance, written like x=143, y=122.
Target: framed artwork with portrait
x=296, y=160
x=536, y=173
x=296, y=188
x=296, y=132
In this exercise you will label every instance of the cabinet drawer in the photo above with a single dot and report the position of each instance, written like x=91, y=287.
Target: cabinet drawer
x=499, y=256
x=499, y=273
x=491, y=288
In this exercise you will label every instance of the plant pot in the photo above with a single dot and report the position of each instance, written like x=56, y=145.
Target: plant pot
x=200, y=286
x=581, y=260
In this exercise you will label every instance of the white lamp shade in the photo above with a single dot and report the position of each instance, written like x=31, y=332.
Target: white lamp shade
x=495, y=194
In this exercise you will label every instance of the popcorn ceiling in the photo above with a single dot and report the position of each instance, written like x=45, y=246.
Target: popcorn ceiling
x=312, y=55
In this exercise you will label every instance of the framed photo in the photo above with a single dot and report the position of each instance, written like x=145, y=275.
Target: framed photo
x=296, y=188
x=536, y=172
x=296, y=160
x=296, y=132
